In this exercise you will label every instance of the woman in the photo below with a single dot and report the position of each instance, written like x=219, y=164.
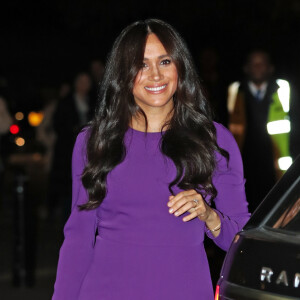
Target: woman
x=144, y=175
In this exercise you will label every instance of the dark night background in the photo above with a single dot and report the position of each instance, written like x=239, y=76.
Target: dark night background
x=45, y=43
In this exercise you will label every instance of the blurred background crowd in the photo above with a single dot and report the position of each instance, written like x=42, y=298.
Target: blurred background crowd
x=51, y=66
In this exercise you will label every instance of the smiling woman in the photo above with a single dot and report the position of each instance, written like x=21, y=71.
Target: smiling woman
x=156, y=82
x=145, y=173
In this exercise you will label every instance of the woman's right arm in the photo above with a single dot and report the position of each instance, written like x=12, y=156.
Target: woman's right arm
x=77, y=249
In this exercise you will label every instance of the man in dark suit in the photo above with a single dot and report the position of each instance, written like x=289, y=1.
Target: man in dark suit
x=259, y=101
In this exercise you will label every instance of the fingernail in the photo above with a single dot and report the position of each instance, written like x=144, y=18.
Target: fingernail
x=170, y=210
x=176, y=214
x=170, y=204
x=184, y=219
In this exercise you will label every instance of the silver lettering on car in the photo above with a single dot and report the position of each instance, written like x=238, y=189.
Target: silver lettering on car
x=297, y=280
x=266, y=274
x=282, y=278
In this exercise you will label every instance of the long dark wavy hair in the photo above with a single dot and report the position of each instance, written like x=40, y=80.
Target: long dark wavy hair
x=190, y=140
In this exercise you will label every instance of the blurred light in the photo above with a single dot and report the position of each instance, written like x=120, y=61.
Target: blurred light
x=217, y=292
x=284, y=94
x=19, y=116
x=19, y=141
x=284, y=162
x=35, y=118
x=232, y=93
x=14, y=129
x=280, y=126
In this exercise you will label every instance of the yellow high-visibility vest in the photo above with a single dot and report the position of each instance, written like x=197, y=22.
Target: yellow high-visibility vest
x=278, y=124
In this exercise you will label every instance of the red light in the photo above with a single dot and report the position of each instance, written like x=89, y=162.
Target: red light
x=217, y=294
x=14, y=129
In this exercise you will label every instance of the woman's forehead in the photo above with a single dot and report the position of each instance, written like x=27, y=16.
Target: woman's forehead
x=154, y=48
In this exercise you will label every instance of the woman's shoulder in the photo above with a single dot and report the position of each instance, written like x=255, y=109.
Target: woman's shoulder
x=225, y=138
x=226, y=141
x=80, y=146
x=82, y=136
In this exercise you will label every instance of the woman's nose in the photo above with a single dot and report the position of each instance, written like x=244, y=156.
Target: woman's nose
x=156, y=74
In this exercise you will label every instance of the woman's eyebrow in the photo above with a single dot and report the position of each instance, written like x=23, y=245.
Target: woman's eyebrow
x=159, y=57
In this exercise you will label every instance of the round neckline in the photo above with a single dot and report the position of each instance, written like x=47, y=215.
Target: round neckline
x=146, y=132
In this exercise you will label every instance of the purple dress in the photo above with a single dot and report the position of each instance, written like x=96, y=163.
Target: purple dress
x=142, y=252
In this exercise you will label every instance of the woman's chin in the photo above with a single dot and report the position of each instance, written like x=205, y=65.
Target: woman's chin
x=156, y=103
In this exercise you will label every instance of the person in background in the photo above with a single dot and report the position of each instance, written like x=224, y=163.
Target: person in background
x=96, y=72
x=259, y=118
x=5, y=117
x=71, y=114
x=45, y=133
x=5, y=122
x=214, y=86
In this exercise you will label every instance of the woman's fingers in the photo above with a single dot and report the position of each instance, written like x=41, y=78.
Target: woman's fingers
x=174, y=199
x=191, y=216
x=183, y=202
x=180, y=199
x=185, y=207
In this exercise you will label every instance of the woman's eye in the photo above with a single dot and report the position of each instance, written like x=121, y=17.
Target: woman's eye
x=166, y=62
x=144, y=65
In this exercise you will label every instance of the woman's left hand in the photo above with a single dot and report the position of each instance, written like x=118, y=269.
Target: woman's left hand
x=192, y=202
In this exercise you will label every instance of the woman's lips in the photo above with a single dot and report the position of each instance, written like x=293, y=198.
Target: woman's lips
x=156, y=89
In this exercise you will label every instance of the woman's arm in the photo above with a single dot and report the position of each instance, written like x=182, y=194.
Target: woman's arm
x=231, y=204
x=77, y=249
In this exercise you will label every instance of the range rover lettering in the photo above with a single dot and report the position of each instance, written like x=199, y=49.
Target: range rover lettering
x=263, y=261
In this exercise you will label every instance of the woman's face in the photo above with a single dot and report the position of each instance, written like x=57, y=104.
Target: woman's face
x=156, y=82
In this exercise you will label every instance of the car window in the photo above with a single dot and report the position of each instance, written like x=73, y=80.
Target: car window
x=287, y=216
x=281, y=196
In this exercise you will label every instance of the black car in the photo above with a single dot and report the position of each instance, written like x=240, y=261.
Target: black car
x=263, y=261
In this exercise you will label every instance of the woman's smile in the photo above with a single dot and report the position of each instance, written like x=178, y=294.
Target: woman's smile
x=157, y=89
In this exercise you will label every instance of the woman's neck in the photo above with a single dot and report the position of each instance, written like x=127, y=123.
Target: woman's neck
x=156, y=118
